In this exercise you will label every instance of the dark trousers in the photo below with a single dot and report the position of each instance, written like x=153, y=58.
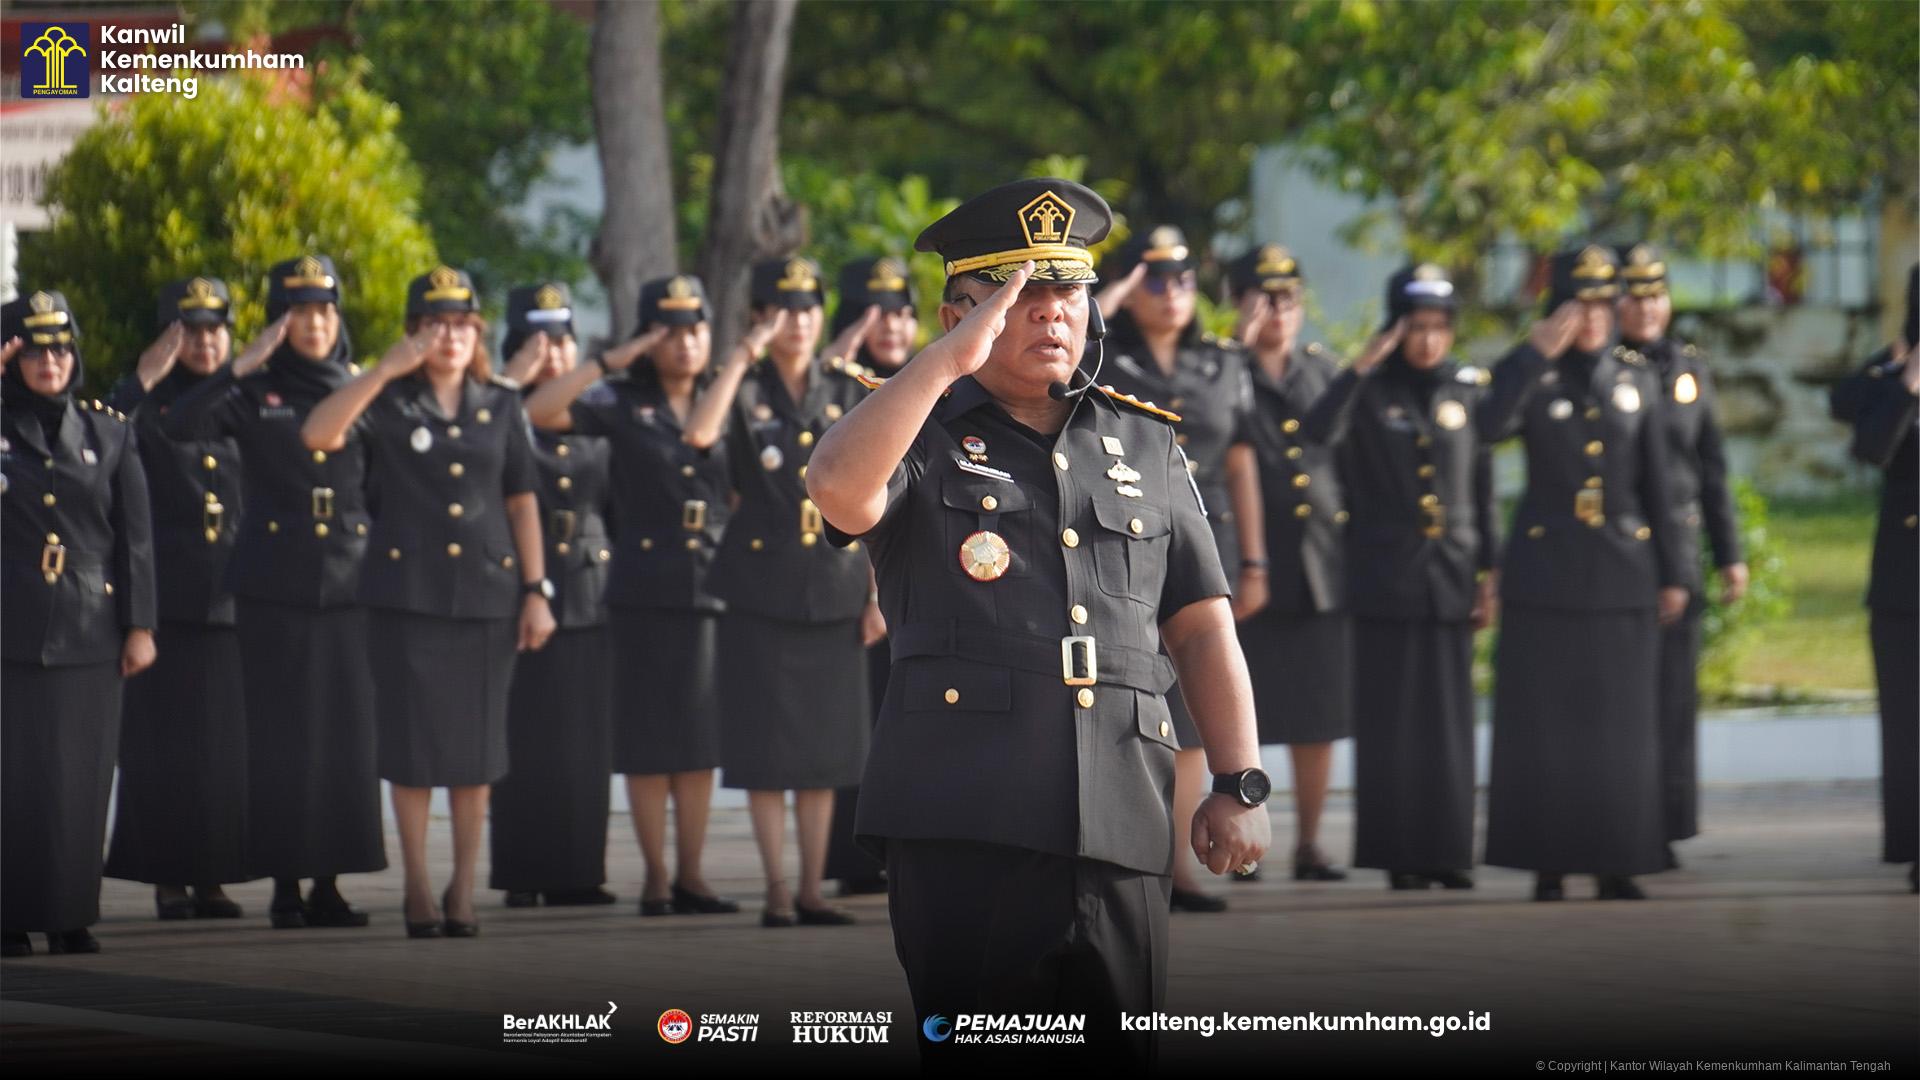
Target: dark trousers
x=1680, y=723
x=985, y=928
x=1896, y=644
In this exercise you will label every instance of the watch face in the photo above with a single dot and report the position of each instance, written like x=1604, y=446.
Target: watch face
x=1255, y=786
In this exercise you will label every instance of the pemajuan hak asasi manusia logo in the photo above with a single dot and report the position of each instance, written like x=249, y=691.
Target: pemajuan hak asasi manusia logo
x=55, y=60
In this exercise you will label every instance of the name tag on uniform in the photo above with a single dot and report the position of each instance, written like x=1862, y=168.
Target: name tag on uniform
x=983, y=470
x=276, y=412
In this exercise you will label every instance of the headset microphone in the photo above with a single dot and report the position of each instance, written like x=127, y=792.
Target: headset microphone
x=1096, y=333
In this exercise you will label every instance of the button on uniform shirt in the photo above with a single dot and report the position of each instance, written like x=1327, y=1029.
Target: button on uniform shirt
x=194, y=488
x=572, y=472
x=772, y=561
x=1212, y=391
x=1299, y=488
x=1419, y=487
x=670, y=500
x=437, y=488
x=76, y=538
x=1696, y=456
x=305, y=524
x=1096, y=533
x=1594, y=529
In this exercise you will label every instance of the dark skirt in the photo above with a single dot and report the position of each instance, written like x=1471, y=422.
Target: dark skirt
x=1575, y=785
x=1412, y=744
x=549, y=816
x=313, y=795
x=666, y=691
x=1680, y=724
x=440, y=697
x=59, y=733
x=793, y=704
x=1896, y=654
x=1302, y=672
x=845, y=857
x=181, y=816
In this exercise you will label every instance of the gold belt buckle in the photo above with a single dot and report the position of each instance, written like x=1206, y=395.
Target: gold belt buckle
x=1071, y=668
x=693, y=515
x=809, y=517
x=1588, y=505
x=53, y=561
x=1436, y=520
x=323, y=502
x=562, y=523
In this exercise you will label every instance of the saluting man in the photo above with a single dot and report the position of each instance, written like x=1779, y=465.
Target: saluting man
x=1035, y=539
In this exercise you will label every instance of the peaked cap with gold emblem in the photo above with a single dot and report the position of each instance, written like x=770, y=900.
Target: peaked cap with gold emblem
x=1048, y=220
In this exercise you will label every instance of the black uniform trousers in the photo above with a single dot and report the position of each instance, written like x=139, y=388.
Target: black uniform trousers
x=1680, y=723
x=989, y=928
x=1896, y=642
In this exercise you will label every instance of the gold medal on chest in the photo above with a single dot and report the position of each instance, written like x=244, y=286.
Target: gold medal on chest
x=985, y=556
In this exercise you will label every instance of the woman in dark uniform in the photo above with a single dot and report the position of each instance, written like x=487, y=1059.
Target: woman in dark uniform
x=1879, y=402
x=1155, y=350
x=1420, y=555
x=877, y=315
x=670, y=508
x=313, y=803
x=800, y=612
x=1590, y=573
x=456, y=582
x=181, y=816
x=1299, y=644
x=549, y=815
x=1697, y=480
x=76, y=561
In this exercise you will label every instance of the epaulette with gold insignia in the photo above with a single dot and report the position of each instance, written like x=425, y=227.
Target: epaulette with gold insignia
x=870, y=381
x=1690, y=350
x=1147, y=407
x=1473, y=376
x=1631, y=356
x=1314, y=348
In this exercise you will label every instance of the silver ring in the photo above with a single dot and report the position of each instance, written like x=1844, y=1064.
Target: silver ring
x=1249, y=866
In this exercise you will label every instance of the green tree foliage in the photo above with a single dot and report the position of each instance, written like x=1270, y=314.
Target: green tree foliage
x=247, y=174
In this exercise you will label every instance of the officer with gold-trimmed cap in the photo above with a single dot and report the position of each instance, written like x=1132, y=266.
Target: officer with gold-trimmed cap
x=1703, y=503
x=1036, y=538
x=1593, y=567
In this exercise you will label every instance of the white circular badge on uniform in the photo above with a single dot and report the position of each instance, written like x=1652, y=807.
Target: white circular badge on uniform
x=1450, y=415
x=771, y=458
x=1626, y=398
x=1560, y=409
x=421, y=440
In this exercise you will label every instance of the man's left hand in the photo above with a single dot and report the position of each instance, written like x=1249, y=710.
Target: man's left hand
x=1228, y=835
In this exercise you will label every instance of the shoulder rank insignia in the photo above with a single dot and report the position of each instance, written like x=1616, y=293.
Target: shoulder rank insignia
x=1147, y=407
x=1690, y=350
x=1315, y=348
x=1473, y=376
x=871, y=382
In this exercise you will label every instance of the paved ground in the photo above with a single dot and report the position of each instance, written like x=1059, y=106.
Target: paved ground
x=1782, y=939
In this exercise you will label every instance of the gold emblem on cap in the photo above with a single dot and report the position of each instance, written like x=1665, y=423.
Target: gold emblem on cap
x=308, y=273
x=1450, y=415
x=45, y=314
x=200, y=296
x=1643, y=264
x=985, y=556
x=1046, y=220
x=1593, y=263
x=1686, y=390
x=444, y=284
x=547, y=298
x=800, y=277
x=1428, y=272
x=1274, y=259
x=888, y=276
x=1163, y=244
x=680, y=295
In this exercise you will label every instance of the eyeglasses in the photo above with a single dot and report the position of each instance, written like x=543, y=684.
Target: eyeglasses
x=1160, y=286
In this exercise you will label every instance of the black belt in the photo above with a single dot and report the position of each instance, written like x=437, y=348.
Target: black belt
x=1119, y=664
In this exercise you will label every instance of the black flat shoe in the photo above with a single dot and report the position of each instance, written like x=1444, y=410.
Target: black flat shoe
x=775, y=919
x=215, y=907
x=171, y=908
x=1197, y=902
x=863, y=886
x=335, y=913
x=452, y=927
x=685, y=902
x=1244, y=879
x=71, y=941
x=588, y=897
x=655, y=907
x=1407, y=881
x=1549, y=887
x=1449, y=879
x=16, y=945
x=288, y=918
x=1617, y=888
x=825, y=916
x=521, y=898
x=427, y=929
x=1317, y=872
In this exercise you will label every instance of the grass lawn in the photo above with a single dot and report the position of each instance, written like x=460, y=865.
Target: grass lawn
x=1822, y=643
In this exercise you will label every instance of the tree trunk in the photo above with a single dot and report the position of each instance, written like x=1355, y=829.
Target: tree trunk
x=636, y=241
x=748, y=214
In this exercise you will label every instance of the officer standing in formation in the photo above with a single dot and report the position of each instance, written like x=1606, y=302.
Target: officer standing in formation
x=76, y=560
x=181, y=815
x=456, y=579
x=1591, y=572
x=313, y=807
x=1697, y=482
x=1035, y=540
x=548, y=833
x=1299, y=643
x=1420, y=553
x=1157, y=352
x=1879, y=402
x=670, y=505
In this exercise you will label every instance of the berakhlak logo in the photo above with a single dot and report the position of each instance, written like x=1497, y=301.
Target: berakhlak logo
x=675, y=1025
x=53, y=60
x=936, y=1028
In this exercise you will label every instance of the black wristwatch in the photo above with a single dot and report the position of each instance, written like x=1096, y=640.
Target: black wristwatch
x=1250, y=786
x=543, y=587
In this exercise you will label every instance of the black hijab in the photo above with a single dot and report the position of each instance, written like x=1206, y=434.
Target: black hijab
x=319, y=377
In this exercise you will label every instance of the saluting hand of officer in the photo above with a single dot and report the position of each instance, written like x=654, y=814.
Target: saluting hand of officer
x=847, y=343
x=1552, y=335
x=1256, y=310
x=1115, y=293
x=1380, y=346
x=963, y=350
x=762, y=332
x=622, y=356
x=9, y=350
x=261, y=347
x=158, y=358
x=405, y=356
x=530, y=358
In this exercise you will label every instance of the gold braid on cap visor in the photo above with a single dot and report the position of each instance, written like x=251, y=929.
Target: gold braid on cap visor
x=1052, y=262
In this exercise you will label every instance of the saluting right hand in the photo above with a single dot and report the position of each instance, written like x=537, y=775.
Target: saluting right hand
x=1255, y=313
x=10, y=350
x=1116, y=293
x=405, y=356
x=762, y=333
x=1552, y=335
x=1380, y=346
x=964, y=349
x=622, y=356
x=158, y=358
x=261, y=347
x=846, y=344
x=529, y=360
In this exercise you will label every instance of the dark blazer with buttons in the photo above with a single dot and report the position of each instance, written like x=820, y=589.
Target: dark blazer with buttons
x=671, y=502
x=437, y=486
x=1300, y=488
x=980, y=736
x=76, y=538
x=194, y=488
x=1696, y=456
x=1419, y=487
x=1211, y=391
x=771, y=560
x=1588, y=426
x=1883, y=417
x=304, y=530
x=572, y=472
